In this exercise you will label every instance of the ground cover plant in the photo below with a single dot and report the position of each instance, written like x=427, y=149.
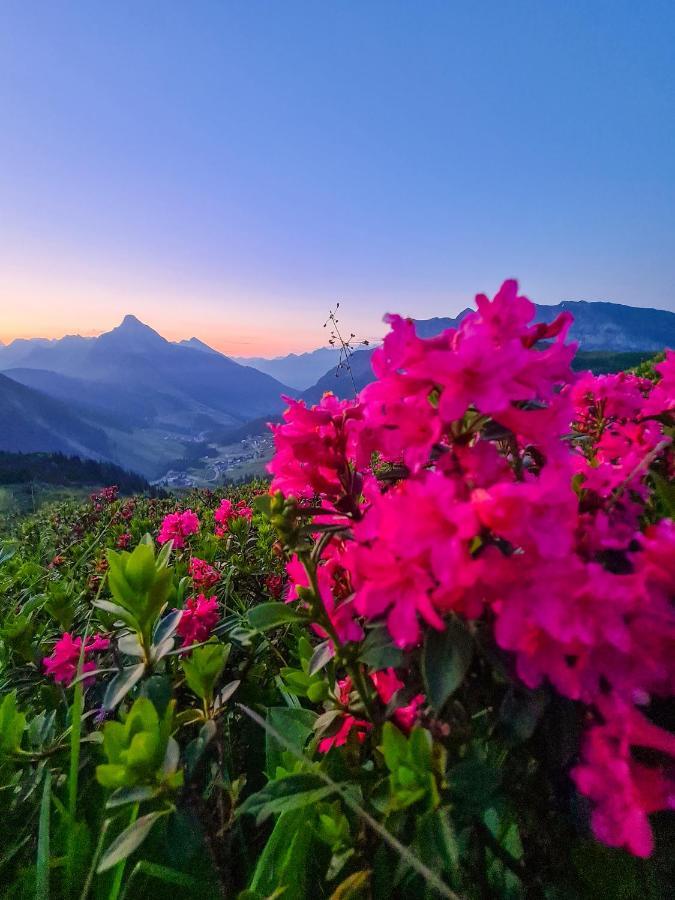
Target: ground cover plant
x=433, y=658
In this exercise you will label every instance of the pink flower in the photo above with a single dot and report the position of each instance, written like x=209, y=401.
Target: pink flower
x=662, y=398
x=105, y=495
x=624, y=790
x=348, y=722
x=274, y=584
x=123, y=541
x=227, y=512
x=314, y=448
x=178, y=526
x=387, y=684
x=203, y=575
x=412, y=556
x=63, y=662
x=334, y=590
x=200, y=617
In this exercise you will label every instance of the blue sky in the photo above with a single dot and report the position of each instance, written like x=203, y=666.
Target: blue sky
x=231, y=170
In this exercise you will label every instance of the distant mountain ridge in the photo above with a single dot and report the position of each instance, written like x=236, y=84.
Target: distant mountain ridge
x=607, y=333
x=598, y=325
x=143, y=393
x=300, y=370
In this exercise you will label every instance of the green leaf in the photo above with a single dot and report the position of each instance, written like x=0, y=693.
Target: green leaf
x=137, y=794
x=378, y=651
x=521, y=712
x=130, y=645
x=225, y=694
x=166, y=626
x=473, y=784
x=286, y=794
x=271, y=615
x=436, y=841
x=285, y=862
x=665, y=491
x=129, y=840
x=118, y=611
x=195, y=749
x=295, y=725
x=12, y=725
x=204, y=666
x=394, y=746
x=446, y=659
x=321, y=657
x=140, y=567
x=121, y=684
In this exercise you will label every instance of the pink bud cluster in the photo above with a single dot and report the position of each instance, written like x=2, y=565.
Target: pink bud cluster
x=479, y=476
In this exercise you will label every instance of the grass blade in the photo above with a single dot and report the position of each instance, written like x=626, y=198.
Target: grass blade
x=42, y=867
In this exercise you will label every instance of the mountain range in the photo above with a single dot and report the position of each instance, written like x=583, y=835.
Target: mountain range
x=299, y=370
x=132, y=397
x=140, y=398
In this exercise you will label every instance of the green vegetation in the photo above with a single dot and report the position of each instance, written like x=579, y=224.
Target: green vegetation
x=601, y=362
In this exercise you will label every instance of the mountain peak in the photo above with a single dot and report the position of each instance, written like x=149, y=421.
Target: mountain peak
x=130, y=321
x=134, y=333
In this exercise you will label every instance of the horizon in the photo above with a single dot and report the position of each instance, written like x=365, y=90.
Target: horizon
x=232, y=172
x=212, y=345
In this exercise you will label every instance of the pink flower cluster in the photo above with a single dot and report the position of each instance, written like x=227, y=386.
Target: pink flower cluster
x=203, y=575
x=347, y=722
x=477, y=475
x=227, y=512
x=387, y=684
x=200, y=617
x=105, y=495
x=63, y=662
x=177, y=527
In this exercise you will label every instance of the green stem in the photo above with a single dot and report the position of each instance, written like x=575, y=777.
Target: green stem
x=76, y=711
x=322, y=617
x=42, y=867
x=94, y=860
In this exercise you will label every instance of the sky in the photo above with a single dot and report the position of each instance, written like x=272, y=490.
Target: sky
x=231, y=170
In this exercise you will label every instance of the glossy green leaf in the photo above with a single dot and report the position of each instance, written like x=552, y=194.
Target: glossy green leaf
x=446, y=659
x=129, y=840
x=121, y=684
x=271, y=615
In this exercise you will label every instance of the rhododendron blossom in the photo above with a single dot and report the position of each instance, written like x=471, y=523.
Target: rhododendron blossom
x=200, y=617
x=227, y=512
x=177, y=527
x=479, y=476
x=64, y=660
x=388, y=684
x=203, y=575
x=275, y=585
x=348, y=722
